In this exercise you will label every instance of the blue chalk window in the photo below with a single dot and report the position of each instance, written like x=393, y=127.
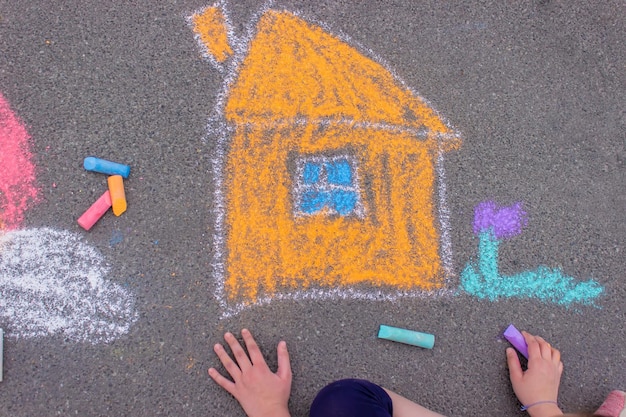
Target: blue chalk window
x=327, y=185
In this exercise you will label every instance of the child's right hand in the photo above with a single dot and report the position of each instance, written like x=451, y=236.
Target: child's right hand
x=540, y=382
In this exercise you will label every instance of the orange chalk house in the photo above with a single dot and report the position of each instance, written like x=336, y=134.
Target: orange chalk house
x=329, y=176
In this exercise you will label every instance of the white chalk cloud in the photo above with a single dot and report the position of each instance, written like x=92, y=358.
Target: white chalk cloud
x=51, y=282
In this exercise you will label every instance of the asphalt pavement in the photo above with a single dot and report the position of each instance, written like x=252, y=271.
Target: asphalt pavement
x=535, y=91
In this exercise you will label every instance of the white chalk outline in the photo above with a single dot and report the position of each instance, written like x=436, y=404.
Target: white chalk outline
x=218, y=128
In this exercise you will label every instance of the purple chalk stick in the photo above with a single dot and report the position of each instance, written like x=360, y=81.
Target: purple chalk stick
x=517, y=340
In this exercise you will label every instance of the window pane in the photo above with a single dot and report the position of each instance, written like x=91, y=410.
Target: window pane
x=343, y=202
x=313, y=201
x=339, y=172
x=311, y=173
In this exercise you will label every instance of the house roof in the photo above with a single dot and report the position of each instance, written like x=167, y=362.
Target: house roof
x=297, y=70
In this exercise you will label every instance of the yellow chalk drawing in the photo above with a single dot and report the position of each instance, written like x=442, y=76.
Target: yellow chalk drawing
x=210, y=25
x=329, y=176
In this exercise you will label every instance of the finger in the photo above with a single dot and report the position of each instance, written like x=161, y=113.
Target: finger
x=284, y=364
x=222, y=381
x=546, y=349
x=240, y=355
x=228, y=363
x=533, y=346
x=253, y=349
x=556, y=355
x=515, y=368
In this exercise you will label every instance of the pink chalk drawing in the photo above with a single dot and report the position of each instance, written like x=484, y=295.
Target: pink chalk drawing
x=17, y=176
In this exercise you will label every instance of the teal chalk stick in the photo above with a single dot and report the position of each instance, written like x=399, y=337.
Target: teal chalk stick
x=410, y=337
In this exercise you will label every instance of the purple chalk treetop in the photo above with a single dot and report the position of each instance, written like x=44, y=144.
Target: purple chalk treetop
x=503, y=221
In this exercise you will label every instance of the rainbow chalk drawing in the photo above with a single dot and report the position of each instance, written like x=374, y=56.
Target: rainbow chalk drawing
x=17, y=171
x=51, y=282
x=492, y=224
x=328, y=170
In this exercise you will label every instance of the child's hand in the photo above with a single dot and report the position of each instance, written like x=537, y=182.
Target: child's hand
x=540, y=382
x=260, y=392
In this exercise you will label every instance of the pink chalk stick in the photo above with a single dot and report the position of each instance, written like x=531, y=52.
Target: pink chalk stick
x=517, y=340
x=97, y=210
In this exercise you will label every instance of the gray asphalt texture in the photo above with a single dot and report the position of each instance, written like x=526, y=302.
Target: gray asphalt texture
x=537, y=90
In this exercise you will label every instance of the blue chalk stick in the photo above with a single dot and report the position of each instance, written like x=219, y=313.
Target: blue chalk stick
x=409, y=337
x=106, y=167
x=517, y=340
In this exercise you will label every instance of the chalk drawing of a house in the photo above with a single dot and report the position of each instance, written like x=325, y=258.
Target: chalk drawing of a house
x=329, y=170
